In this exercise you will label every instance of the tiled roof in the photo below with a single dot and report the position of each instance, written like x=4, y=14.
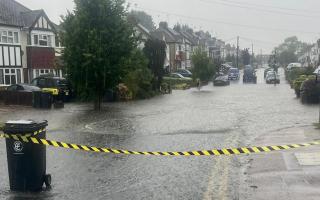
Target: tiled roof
x=30, y=17
x=13, y=13
x=10, y=11
x=144, y=29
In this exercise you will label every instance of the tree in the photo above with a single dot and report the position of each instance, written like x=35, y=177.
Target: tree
x=286, y=57
x=203, y=66
x=245, y=55
x=177, y=27
x=155, y=50
x=97, y=39
x=139, y=79
x=143, y=18
x=290, y=50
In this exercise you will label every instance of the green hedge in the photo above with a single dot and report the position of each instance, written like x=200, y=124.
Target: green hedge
x=296, y=85
x=178, y=81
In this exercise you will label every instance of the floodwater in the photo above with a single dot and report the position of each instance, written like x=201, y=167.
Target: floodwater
x=214, y=117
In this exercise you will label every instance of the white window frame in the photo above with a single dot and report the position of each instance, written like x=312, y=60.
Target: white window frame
x=12, y=35
x=39, y=72
x=11, y=72
x=42, y=38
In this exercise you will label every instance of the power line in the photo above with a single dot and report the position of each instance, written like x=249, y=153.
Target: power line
x=281, y=8
x=231, y=23
x=259, y=41
x=228, y=4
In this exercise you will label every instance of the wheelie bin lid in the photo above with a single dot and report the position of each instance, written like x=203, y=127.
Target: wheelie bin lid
x=23, y=126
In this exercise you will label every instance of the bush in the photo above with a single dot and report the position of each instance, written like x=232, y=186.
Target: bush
x=182, y=86
x=310, y=90
x=139, y=83
x=179, y=81
x=297, y=84
x=295, y=73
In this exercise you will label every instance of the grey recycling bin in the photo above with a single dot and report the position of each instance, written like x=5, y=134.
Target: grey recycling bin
x=26, y=161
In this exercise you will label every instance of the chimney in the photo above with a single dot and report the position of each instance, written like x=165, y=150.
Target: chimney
x=163, y=25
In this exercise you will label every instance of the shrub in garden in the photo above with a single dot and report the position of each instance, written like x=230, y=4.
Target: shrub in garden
x=177, y=81
x=297, y=84
x=310, y=90
x=139, y=83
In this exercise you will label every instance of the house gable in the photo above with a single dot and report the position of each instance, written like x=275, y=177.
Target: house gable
x=42, y=23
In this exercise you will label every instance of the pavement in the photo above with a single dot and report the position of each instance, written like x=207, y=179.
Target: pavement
x=292, y=175
x=215, y=117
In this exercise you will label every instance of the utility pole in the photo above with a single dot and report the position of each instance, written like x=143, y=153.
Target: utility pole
x=252, y=56
x=238, y=52
x=261, y=60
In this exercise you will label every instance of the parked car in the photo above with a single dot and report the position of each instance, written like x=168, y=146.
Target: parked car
x=294, y=65
x=221, y=81
x=184, y=73
x=179, y=76
x=272, y=78
x=19, y=94
x=234, y=74
x=249, y=75
x=266, y=71
x=23, y=87
x=59, y=87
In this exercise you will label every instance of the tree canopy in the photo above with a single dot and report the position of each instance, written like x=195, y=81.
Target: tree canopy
x=97, y=39
x=143, y=18
x=155, y=51
x=245, y=56
x=290, y=50
x=203, y=66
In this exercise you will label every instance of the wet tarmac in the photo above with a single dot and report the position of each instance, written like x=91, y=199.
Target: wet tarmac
x=214, y=117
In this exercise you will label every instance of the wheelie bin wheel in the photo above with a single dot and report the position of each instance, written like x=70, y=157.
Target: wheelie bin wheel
x=47, y=180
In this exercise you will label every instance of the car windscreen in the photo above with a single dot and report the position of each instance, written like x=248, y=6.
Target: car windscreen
x=234, y=71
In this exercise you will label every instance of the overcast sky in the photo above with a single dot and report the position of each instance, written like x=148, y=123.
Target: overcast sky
x=265, y=23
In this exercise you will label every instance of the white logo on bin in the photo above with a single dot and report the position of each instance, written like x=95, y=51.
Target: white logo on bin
x=17, y=146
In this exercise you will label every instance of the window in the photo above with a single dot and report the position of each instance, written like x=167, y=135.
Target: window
x=18, y=75
x=42, y=40
x=11, y=37
x=10, y=76
x=35, y=40
x=4, y=37
x=16, y=37
x=1, y=77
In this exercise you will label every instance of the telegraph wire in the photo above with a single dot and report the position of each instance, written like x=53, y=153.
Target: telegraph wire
x=228, y=4
x=280, y=8
x=229, y=23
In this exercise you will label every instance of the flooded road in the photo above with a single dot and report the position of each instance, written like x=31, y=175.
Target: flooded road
x=215, y=117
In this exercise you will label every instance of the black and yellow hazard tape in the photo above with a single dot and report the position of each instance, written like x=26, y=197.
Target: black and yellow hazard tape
x=29, y=134
x=213, y=152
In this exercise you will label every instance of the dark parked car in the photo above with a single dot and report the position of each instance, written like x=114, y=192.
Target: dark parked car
x=59, y=87
x=19, y=94
x=249, y=75
x=234, y=74
x=23, y=87
x=221, y=81
x=184, y=72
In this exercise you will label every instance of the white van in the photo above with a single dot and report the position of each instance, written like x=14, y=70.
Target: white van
x=294, y=65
